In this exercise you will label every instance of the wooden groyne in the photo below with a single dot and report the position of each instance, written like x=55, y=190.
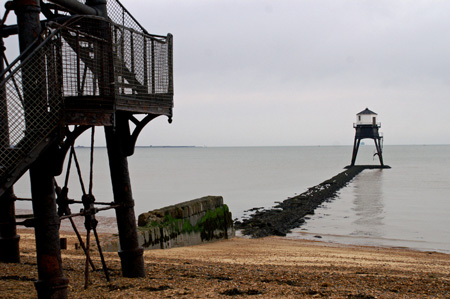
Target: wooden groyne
x=193, y=222
x=189, y=223
x=290, y=213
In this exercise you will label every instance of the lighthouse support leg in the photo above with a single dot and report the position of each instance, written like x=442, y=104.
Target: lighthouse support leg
x=379, y=151
x=355, y=150
x=131, y=254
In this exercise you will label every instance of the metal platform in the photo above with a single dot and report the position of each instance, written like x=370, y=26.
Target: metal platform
x=369, y=166
x=83, y=72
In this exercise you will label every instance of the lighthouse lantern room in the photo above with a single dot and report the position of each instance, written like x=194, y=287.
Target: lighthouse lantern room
x=366, y=117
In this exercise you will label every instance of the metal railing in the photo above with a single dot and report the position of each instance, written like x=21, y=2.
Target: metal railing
x=378, y=125
x=124, y=63
x=30, y=98
x=85, y=57
x=142, y=65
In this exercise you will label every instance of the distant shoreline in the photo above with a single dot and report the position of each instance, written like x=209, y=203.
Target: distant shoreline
x=168, y=146
x=259, y=146
x=150, y=146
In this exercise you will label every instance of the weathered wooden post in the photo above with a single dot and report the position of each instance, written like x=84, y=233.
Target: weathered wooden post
x=51, y=281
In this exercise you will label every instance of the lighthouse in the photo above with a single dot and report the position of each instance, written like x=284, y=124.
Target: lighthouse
x=366, y=126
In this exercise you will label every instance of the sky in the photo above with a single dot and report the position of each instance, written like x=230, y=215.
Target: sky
x=296, y=72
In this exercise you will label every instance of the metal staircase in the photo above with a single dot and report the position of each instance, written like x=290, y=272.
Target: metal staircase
x=81, y=73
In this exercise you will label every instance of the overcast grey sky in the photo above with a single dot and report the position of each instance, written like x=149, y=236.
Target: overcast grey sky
x=295, y=72
x=290, y=72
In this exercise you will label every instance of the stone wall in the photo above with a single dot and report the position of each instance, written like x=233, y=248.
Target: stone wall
x=189, y=223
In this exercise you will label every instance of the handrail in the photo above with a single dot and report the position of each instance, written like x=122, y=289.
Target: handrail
x=29, y=124
x=76, y=7
x=131, y=16
x=377, y=125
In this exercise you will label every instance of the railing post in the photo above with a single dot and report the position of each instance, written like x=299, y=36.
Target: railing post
x=145, y=65
x=170, y=59
x=131, y=44
x=153, y=65
x=4, y=127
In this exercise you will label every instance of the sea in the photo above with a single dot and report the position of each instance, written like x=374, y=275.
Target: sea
x=407, y=206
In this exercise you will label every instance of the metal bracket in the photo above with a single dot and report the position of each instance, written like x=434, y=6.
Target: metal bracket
x=65, y=145
x=131, y=144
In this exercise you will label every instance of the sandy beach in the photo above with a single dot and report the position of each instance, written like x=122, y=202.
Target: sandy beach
x=271, y=267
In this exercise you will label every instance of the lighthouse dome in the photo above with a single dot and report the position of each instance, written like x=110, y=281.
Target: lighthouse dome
x=366, y=117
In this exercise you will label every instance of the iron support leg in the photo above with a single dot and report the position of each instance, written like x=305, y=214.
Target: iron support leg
x=9, y=240
x=28, y=21
x=51, y=282
x=355, y=150
x=131, y=254
x=380, y=154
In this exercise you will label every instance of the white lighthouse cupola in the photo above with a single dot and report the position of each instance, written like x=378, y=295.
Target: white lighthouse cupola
x=366, y=117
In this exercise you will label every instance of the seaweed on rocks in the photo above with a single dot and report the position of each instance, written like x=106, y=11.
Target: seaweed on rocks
x=290, y=213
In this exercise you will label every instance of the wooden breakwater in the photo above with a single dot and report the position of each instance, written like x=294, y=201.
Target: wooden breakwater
x=189, y=223
x=290, y=213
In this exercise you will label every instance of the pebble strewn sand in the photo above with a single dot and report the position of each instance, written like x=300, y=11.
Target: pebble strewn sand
x=268, y=268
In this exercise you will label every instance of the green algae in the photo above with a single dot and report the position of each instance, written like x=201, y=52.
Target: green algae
x=218, y=218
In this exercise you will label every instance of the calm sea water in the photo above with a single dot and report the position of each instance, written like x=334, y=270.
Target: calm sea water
x=407, y=205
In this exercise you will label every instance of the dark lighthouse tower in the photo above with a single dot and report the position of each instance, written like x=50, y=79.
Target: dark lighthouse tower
x=366, y=126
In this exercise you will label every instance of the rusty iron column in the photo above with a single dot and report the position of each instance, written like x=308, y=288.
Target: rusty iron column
x=131, y=254
x=51, y=282
x=29, y=27
x=9, y=240
x=379, y=150
x=356, y=143
x=33, y=80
